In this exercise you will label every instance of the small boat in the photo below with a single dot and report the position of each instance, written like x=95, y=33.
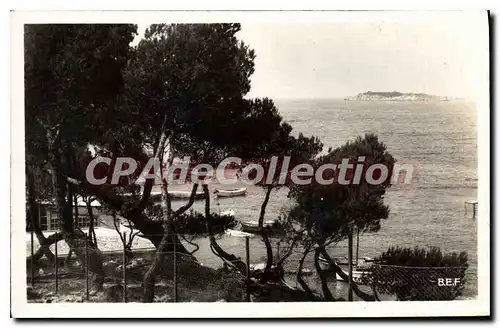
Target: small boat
x=155, y=196
x=368, y=259
x=305, y=271
x=253, y=226
x=230, y=192
x=344, y=261
x=229, y=212
x=356, y=275
x=237, y=233
x=185, y=194
x=323, y=263
x=339, y=261
x=258, y=268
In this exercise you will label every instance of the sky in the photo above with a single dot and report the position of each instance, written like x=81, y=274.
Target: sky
x=440, y=56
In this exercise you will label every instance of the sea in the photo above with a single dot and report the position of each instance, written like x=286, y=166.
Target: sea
x=438, y=138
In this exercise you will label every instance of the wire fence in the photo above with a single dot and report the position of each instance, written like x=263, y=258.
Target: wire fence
x=181, y=277
x=409, y=283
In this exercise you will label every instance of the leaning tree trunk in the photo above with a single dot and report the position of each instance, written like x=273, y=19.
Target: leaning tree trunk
x=216, y=249
x=324, y=283
x=54, y=238
x=33, y=216
x=265, y=237
x=364, y=296
x=300, y=280
x=150, y=229
x=77, y=241
x=149, y=277
x=154, y=269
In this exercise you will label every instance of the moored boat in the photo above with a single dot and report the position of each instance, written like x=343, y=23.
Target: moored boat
x=185, y=194
x=304, y=271
x=356, y=275
x=357, y=271
x=155, y=196
x=323, y=263
x=229, y=212
x=235, y=192
x=253, y=226
x=237, y=233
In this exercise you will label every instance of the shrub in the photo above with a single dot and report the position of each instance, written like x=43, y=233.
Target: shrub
x=418, y=274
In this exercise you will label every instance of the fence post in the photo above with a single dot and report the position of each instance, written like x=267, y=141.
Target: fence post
x=124, y=268
x=175, y=272
x=32, y=261
x=56, y=266
x=87, y=269
x=349, y=256
x=247, y=247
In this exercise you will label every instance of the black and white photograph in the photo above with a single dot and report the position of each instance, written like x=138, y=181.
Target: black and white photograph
x=277, y=158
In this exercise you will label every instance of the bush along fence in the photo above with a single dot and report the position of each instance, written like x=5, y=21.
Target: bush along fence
x=408, y=283
x=180, y=277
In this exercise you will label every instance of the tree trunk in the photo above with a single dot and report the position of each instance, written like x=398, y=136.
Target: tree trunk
x=56, y=237
x=216, y=249
x=75, y=206
x=269, y=250
x=149, y=277
x=324, y=283
x=269, y=253
x=264, y=205
x=92, y=235
x=34, y=218
x=151, y=229
x=168, y=237
x=364, y=296
x=75, y=239
x=300, y=280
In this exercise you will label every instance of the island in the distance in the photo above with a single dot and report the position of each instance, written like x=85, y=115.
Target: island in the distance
x=395, y=96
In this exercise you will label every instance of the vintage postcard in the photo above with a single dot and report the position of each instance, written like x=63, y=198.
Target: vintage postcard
x=250, y=164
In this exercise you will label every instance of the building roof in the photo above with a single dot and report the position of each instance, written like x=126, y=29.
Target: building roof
x=79, y=200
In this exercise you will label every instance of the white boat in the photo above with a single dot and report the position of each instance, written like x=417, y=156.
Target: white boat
x=323, y=263
x=258, y=266
x=325, y=266
x=235, y=192
x=356, y=275
x=155, y=196
x=185, y=194
x=305, y=271
x=237, y=233
x=229, y=212
x=339, y=261
x=253, y=226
